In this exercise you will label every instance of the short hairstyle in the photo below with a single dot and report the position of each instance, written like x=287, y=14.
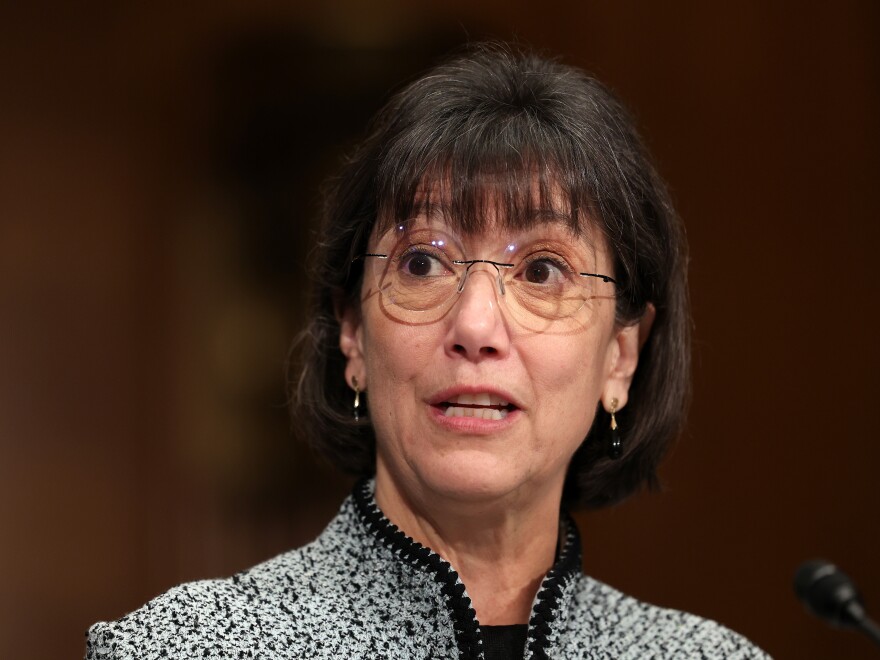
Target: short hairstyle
x=485, y=126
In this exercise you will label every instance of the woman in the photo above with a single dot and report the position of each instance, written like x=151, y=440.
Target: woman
x=500, y=330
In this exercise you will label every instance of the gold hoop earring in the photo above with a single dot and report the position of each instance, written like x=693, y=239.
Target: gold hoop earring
x=357, y=398
x=615, y=444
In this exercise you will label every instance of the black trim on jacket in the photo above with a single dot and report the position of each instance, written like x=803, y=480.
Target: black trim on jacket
x=467, y=628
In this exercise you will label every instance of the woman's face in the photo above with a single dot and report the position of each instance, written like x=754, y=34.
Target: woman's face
x=527, y=387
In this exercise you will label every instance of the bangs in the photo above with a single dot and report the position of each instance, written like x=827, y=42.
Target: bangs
x=478, y=172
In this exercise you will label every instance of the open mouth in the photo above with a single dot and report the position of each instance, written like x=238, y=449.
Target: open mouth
x=482, y=406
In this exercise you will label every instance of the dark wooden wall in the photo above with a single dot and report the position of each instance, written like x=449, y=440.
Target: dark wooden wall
x=159, y=169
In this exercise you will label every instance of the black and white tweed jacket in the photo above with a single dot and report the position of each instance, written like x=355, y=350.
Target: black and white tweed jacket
x=364, y=589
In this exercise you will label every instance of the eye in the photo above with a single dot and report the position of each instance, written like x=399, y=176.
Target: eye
x=418, y=263
x=545, y=270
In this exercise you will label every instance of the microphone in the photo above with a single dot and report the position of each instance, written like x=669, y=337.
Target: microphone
x=829, y=594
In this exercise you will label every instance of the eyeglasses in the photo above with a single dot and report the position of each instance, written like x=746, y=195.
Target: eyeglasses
x=423, y=276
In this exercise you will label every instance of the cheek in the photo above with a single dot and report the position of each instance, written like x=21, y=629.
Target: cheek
x=568, y=375
x=565, y=363
x=395, y=357
x=395, y=354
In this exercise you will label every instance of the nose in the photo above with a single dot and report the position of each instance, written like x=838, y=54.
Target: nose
x=470, y=264
x=477, y=327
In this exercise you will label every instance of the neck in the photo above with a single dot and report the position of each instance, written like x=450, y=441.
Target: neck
x=501, y=548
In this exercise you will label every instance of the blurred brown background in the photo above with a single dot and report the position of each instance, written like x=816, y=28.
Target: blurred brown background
x=159, y=173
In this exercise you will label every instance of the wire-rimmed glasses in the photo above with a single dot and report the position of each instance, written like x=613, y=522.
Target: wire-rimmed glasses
x=423, y=273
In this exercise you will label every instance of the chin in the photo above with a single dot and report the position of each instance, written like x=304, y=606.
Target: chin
x=470, y=478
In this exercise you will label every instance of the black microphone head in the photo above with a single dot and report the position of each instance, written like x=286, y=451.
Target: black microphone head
x=828, y=593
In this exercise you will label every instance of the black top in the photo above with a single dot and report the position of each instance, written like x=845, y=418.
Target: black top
x=504, y=642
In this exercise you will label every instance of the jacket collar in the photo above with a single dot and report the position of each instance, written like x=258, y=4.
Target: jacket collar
x=547, y=603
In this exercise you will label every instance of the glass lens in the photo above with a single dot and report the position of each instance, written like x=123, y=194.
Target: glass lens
x=420, y=274
x=546, y=286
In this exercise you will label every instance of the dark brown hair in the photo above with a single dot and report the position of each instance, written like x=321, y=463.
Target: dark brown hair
x=494, y=118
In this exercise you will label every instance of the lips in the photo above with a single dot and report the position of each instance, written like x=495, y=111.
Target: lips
x=482, y=405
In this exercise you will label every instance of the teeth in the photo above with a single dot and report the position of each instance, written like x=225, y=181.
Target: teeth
x=480, y=399
x=482, y=413
x=481, y=405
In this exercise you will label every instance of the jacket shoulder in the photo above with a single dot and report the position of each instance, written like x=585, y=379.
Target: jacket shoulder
x=217, y=618
x=198, y=619
x=344, y=595
x=625, y=627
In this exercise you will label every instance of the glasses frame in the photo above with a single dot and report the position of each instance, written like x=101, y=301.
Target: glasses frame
x=498, y=266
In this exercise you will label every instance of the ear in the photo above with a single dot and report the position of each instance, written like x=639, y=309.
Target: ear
x=352, y=346
x=627, y=345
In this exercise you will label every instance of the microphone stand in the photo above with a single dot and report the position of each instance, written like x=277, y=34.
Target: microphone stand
x=863, y=622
